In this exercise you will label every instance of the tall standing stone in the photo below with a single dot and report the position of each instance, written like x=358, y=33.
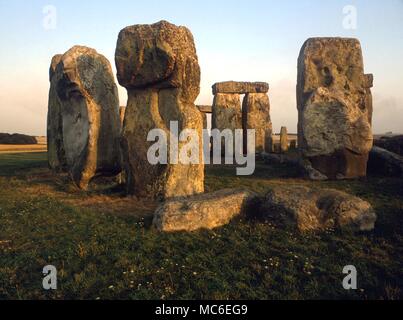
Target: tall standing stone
x=158, y=66
x=284, y=140
x=334, y=107
x=256, y=116
x=88, y=114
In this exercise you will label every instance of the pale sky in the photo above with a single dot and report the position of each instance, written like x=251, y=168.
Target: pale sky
x=236, y=40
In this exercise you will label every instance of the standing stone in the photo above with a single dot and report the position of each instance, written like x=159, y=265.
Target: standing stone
x=88, y=114
x=56, y=154
x=269, y=148
x=158, y=66
x=283, y=140
x=227, y=114
x=256, y=115
x=335, y=107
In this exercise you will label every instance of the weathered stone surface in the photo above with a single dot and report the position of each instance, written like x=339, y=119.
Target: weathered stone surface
x=309, y=209
x=227, y=114
x=240, y=87
x=283, y=140
x=205, y=211
x=384, y=162
x=87, y=104
x=56, y=155
x=391, y=143
x=335, y=107
x=159, y=56
x=256, y=115
x=158, y=66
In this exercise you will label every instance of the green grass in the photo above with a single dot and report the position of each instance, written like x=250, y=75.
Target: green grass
x=107, y=255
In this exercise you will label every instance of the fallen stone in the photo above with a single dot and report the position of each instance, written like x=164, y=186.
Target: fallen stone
x=393, y=144
x=310, y=210
x=240, y=87
x=384, y=162
x=204, y=211
x=335, y=107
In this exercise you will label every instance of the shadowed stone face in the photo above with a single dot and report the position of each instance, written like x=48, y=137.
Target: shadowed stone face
x=335, y=107
x=158, y=66
x=56, y=153
x=89, y=113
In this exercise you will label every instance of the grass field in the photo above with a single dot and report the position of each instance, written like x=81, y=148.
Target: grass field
x=104, y=247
